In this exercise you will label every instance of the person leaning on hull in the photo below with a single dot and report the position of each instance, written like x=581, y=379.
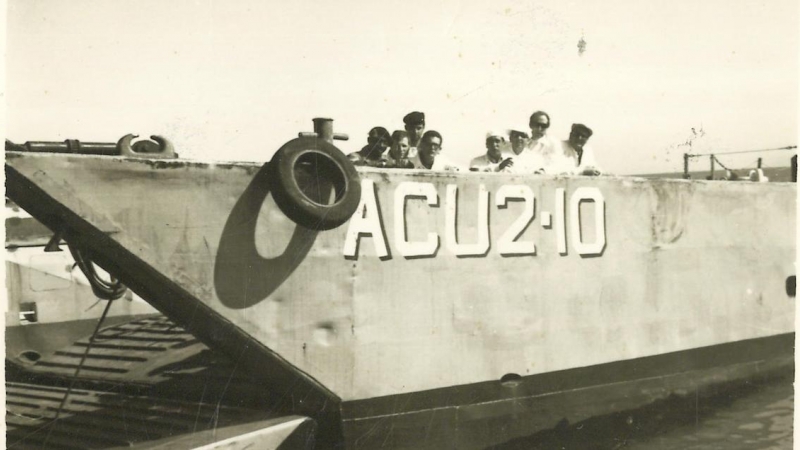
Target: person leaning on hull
x=578, y=158
x=378, y=140
x=495, y=160
x=542, y=151
x=415, y=148
x=532, y=155
x=543, y=154
x=519, y=139
x=429, y=156
x=397, y=156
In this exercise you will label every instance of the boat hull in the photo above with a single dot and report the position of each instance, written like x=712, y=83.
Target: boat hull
x=492, y=413
x=440, y=283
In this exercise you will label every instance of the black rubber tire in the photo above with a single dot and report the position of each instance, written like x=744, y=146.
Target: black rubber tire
x=323, y=168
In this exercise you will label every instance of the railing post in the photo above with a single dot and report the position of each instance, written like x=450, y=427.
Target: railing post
x=686, y=166
x=711, y=158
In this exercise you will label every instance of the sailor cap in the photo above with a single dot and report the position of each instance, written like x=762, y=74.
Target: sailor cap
x=414, y=118
x=496, y=133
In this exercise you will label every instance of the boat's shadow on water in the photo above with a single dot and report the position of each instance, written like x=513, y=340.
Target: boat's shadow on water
x=624, y=429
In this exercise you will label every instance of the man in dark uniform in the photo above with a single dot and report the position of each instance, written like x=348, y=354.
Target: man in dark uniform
x=415, y=127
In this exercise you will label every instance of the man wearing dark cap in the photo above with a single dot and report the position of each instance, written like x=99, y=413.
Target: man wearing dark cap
x=415, y=127
x=378, y=140
x=578, y=158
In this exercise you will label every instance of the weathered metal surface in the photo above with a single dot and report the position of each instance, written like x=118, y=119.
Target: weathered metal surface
x=144, y=351
x=140, y=384
x=440, y=279
x=478, y=415
x=38, y=417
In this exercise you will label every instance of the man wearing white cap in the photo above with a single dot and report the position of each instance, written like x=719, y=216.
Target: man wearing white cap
x=519, y=140
x=494, y=160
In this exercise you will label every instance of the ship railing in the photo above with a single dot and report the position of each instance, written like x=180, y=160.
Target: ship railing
x=755, y=175
x=159, y=147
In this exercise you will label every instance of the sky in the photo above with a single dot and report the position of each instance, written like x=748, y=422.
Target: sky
x=234, y=80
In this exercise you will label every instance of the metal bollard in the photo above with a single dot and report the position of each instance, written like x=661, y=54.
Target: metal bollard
x=323, y=129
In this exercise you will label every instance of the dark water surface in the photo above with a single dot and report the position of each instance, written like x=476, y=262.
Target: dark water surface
x=760, y=419
x=756, y=415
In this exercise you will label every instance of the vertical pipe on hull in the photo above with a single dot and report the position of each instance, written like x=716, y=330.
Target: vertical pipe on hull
x=711, y=158
x=686, y=166
x=324, y=128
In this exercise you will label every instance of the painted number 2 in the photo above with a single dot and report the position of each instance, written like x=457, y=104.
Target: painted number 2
x=508, y=244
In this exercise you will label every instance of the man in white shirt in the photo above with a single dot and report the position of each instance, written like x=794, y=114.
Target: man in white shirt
x=428, y=155
x=494, y=160
x=542, y=150
x=519, y=140
x=577, y=157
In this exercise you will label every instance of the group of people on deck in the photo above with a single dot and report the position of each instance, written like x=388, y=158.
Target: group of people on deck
x=416, y=148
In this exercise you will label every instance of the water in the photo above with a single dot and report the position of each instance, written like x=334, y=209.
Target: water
x=759, y=419
x=753, y=416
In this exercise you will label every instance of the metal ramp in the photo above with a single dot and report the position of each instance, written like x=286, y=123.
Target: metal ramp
x=99, y=419
x=143, y=384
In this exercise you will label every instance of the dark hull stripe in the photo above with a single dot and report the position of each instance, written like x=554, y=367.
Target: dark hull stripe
x=751, y=350
x=490, y=413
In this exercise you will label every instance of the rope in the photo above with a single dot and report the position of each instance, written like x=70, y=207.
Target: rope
x=105, y=290
x=77, y=370
x=720, y=162
x=790, y=147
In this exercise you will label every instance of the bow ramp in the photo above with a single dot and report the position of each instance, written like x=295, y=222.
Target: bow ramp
x=451, y=310
x=158, y=226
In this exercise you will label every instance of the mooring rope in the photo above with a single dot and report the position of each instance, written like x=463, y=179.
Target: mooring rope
x=78, y=370
x=720, y=162
x=105, y=290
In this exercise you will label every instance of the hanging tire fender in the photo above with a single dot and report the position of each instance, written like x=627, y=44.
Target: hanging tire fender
x=314, y=184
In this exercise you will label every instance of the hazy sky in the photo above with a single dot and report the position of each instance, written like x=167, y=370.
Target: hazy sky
x=233, y=80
